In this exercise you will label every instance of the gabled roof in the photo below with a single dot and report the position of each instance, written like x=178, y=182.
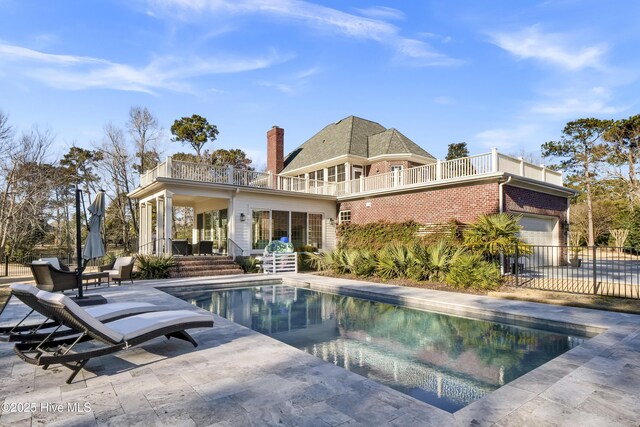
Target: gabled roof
x=354, y=136
x=392, y=141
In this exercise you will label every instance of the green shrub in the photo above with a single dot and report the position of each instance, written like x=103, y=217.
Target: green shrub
x=304, y=261
x=249, y=264
x=374, y=236
x=471, y=270
x=154, y=267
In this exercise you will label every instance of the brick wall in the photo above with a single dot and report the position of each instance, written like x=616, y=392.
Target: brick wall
x=463, y=203
x=275, y=149
x=520, y=200
x=385, y=166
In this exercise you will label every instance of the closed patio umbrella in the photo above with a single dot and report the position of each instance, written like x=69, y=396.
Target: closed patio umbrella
x=94, y=247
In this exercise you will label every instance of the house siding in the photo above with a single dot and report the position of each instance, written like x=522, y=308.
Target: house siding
x=246, y=202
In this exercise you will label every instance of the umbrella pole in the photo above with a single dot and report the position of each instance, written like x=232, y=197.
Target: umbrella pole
x=78, y=244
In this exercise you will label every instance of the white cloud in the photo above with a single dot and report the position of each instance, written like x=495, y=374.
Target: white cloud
x=80, y=72
x=294, y=83
x=575, y=102
x=443, y=100
x=382, y=12
x=506, y=138
x=554, y=48
x=322, y=17
x=573, y=107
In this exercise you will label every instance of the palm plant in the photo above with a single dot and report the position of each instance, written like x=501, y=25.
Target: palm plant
x=492, y=235
x=393, y=261
x=440, y=255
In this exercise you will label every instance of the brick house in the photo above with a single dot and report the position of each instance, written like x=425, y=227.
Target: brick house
x=353, y=170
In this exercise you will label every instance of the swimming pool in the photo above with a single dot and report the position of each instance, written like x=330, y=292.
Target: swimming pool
x=444, y=360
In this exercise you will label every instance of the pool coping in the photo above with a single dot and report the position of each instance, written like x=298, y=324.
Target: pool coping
x=584, y=385
x=610, y=328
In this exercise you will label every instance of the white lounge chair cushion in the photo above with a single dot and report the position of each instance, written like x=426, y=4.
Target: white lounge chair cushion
x=24, y=289
x=112, y=273
x=55, y=263
x=135, y=326
x=89, y=321
x=104, y=312
x=121, y=261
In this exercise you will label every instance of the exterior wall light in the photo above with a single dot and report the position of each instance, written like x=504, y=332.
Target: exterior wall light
x=243, y=217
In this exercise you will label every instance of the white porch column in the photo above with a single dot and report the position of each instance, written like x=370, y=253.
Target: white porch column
x=231, y=226
x=149, y=227
x=159, y=225
x=141, y=216
x=168, y=216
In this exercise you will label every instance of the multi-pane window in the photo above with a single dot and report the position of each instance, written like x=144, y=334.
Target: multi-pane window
x=298, y=228
x=320, y=175
x=315, y=230
x=332, y=174
x=312, y=175
x=261, y=229
x=280, y=221
x=345, y=217
x=341, y=173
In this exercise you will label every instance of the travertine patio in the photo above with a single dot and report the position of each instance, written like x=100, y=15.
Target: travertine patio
x=239, y=377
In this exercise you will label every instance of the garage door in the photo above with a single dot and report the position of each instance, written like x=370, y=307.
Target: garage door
x=543, y=234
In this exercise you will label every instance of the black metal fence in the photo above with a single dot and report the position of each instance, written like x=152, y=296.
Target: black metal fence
x=19, y=266
x=592, y=270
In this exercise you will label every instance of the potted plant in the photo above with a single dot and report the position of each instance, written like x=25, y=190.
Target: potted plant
x=575, y=248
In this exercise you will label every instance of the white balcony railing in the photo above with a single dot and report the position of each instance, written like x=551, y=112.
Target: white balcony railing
x=441, y=171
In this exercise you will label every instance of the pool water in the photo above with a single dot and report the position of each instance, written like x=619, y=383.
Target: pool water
x=443, y=360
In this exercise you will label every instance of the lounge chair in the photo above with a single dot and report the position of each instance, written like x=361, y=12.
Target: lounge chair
x=117, y=335
x=51, y=279
x=120, y=269
x=55, y=262
x=37, y=331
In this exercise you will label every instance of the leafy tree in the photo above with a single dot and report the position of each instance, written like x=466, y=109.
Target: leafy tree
x=195, y=131
x=623, y=139
x=186, y=157
x=80, y=164
x=604, y=214
x=457, y=150
x=581, y=151
x=234, y=157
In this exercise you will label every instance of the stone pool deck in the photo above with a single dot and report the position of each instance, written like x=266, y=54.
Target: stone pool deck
x=239, y=377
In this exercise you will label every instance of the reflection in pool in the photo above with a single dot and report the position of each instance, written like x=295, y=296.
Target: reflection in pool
x=444, y=360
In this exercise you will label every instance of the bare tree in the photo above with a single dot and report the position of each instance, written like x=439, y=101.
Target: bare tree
x=25, y=182
x=146, y=133
x=117, y=165
x=6, y=133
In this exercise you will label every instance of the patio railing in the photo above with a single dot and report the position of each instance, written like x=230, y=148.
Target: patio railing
x=13, y=266
x=608, y=271
x=440, y=171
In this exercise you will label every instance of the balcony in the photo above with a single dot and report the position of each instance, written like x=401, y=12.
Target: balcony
x=482, y=165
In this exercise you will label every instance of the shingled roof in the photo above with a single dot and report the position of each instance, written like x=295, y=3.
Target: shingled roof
x=351, y=135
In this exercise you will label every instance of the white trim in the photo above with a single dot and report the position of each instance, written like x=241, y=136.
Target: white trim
x=364, y=161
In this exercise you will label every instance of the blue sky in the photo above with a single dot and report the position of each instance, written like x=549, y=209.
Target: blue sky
x=506, y=74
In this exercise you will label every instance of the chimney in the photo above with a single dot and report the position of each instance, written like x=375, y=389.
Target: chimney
x=275, y=149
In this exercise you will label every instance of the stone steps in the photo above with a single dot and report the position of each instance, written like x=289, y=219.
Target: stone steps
x=202, y=266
